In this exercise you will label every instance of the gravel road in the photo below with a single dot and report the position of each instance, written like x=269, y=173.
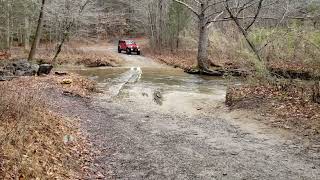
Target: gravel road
x=138, y=141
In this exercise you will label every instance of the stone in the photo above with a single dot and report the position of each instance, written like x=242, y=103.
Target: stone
x=66, y=81
x=35, y=68
x=6, y=76
x=22, y=68
x=67, y=139
x=22, y=65
x=5, y=73
x=10, y=67
x=70, y=94
x=3, y=78
x=19, y=73
x=44, y=69
x=60, y=73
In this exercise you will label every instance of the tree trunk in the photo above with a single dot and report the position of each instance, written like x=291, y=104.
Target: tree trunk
x=316, y=92
x=8, y=27
x=178, y=32
x=59, y=48
x=26, y=35
x=63, y=39
x=245, y=34
x=38, y=33
x=203, y=44
x=160, y=25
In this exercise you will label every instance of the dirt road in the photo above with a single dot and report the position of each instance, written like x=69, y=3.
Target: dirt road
x=155, y=122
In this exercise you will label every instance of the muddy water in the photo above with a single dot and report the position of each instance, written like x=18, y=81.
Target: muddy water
x=164, y=88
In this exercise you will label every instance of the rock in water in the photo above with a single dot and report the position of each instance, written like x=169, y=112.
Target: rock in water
x=157, y=97
x=44, y=69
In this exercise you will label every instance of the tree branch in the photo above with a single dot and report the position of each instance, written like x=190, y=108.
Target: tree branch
x=216, y=3
x=255, y=16
x=215, y=18
x=188, y=6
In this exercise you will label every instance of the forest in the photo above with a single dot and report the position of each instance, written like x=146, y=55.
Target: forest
x=71, y=105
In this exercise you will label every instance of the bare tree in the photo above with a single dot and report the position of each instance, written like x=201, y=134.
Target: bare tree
x=234, y=15
x=69, y=22
x=212, y=11
x=206, y=14
x=38, y=32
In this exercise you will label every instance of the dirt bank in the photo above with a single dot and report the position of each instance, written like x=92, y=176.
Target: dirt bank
x=36, y=142
x=286, y=105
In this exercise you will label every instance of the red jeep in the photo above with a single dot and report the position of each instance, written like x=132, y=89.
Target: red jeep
x=129, y=46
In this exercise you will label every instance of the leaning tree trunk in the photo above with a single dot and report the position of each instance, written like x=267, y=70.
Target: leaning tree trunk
x=38, y=33
x=203, y=44
x=63, y=39
x=246, y=36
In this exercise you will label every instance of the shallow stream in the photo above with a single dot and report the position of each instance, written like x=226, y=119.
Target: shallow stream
x=164, y=88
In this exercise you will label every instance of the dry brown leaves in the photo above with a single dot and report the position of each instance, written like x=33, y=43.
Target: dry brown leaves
x=4, y=55
x=290, y=103
x=32, y=137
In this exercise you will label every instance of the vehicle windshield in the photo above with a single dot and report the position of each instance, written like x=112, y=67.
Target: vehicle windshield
x=130, y=42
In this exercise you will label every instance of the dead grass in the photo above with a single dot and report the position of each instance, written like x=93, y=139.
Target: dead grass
x=32, y=138
x=290, y=103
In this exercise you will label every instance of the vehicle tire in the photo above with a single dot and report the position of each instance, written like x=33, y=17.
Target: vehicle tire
x=138, y=53
x=119, y=50
x=128, y=51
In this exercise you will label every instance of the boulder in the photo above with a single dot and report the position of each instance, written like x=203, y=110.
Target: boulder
x=22, y=68
x=5, y=73
x=19, y=73
x=22, y=65
x=44, y=69
x=35, y=68
x=10, y=67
